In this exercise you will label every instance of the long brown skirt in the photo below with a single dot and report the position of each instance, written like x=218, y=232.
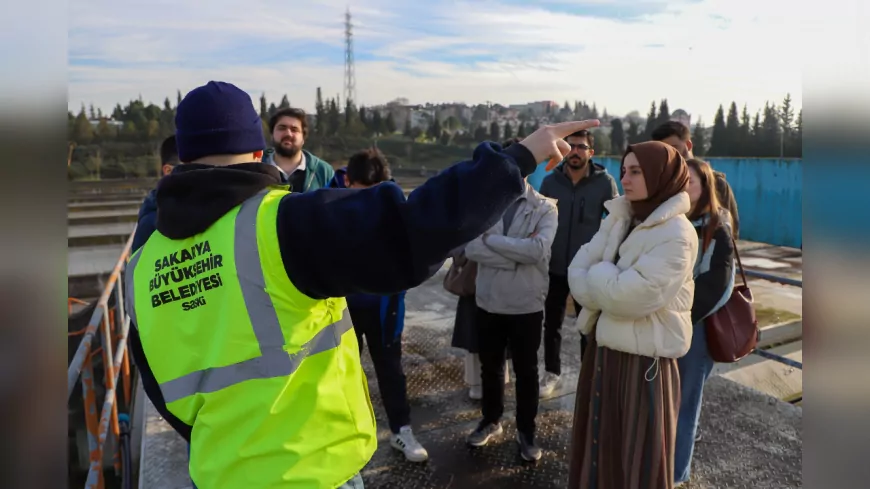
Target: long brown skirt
x=625, y=426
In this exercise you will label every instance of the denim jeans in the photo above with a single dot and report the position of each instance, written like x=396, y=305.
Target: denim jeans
x=695, y=368
x=387, y=359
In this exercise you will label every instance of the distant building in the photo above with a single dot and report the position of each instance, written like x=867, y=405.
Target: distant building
x=681, y=115
x=537, y=109
x=110, y=122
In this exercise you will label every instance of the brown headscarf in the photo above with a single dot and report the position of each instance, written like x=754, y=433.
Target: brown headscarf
x=664, y=170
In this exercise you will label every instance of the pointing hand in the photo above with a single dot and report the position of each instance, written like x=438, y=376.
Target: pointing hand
x=548, y=142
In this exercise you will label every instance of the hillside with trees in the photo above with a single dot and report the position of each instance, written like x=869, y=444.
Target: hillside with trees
x=125, y=143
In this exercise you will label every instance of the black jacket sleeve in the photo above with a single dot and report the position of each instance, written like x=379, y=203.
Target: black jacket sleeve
x=147, y=221
x=712, y=285
x=152, y=389
x=337, y=242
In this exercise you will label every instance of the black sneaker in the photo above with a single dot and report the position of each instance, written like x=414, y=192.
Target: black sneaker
x=483, y=433
x=528, y=450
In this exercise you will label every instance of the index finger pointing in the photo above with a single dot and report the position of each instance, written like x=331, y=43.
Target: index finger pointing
x=565, y=129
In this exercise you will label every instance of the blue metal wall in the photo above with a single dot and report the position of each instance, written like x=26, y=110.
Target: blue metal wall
x=768, y=193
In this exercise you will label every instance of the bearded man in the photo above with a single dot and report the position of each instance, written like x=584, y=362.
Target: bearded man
x=301, y=169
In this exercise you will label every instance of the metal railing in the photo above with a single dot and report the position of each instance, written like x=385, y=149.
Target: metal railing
x=784, y=281
x=113, y=324
x=774, y=278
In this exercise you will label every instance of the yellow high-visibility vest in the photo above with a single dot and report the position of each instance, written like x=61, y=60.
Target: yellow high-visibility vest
x=269, y=378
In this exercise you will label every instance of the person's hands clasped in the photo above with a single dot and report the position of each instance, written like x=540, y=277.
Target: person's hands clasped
x=548, y=142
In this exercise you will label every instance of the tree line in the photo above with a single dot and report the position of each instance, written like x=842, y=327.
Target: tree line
x=133, y=132
x=774, y=131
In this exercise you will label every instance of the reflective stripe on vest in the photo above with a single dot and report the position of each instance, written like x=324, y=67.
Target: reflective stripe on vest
x=273, y=361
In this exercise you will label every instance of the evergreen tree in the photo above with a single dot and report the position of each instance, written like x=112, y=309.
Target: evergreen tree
x=755, y=135
x=407, y=131
x=786, y=115
x=319, y=114
x=333, y=119
x=594, y=113
x=664, y=112
x=719, y=141
x=390, y=123
x=744, y=137
x=798, y=143
x=177, y=99
x=508, y=131
x=264, y=109
x=521, y=131
x=435, y=130
x=605, y=117
x=83, y=133
x=601, y=143
x=732, y=131
x=272, y=109
x=364, y=117
x=633, y=134
x=377, y=124
x=166, y=105
x=699, y=139
x=349, y=113
x=104, y=131
x=651, y=122
x=92, y=114
x=494, y=132
x=480, y=134
x=770, y=131
x=285, y=103
x=617, y=137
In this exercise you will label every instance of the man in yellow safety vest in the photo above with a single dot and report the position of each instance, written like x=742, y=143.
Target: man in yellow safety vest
x=240, y=328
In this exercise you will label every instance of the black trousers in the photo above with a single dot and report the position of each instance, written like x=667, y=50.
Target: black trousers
x=387, y=360
x=554, y=315
x=522, y=334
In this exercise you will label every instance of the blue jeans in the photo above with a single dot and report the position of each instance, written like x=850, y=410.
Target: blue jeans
x=695, y=368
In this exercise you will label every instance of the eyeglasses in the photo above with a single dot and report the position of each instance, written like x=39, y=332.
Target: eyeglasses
x=578, y=146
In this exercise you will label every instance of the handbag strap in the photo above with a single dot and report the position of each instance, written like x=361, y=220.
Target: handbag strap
x=739, y=263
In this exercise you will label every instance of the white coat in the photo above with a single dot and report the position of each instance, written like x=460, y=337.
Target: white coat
x=643, y=302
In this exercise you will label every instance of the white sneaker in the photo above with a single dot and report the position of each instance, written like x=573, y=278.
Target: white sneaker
x=475, y=392
x=405, y=442
x=548, y=384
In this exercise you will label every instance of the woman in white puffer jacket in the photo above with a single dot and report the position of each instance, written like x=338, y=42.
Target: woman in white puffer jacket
x=634, y=281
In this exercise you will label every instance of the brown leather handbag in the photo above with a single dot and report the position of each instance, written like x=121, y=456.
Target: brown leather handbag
x=732, y=331
x=461, y=277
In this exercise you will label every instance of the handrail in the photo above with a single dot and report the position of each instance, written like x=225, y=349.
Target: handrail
x=114, y=324
x=774, y=278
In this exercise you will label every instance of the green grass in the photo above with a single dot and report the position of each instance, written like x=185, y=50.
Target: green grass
x=767, y=316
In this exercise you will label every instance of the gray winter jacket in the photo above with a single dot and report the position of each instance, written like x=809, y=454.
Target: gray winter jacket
x=581, y=209
x=512, y=264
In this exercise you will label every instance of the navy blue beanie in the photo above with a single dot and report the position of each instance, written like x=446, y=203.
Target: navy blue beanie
x=217, y=119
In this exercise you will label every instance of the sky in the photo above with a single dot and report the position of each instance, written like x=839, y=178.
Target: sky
x=620, y=54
